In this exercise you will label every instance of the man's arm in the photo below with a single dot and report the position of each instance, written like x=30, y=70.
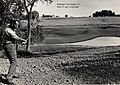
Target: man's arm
x=14, y=35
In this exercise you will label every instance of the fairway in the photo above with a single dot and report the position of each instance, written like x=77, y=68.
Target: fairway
x=77, y=29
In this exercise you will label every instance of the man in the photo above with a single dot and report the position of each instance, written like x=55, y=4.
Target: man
x=9, y=39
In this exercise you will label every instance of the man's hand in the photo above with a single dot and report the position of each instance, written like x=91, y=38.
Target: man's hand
x=25, y=42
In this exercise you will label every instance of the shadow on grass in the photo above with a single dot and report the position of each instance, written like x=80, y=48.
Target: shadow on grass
x=100, y=72
x=46, y=53
x=27, y=54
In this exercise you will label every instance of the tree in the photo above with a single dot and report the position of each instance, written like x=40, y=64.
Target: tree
x=103, y=13
x=1, y=7
x=28, y=4
x=34, y=15
x=66, y=15
x=10, y=9
x=5, y=6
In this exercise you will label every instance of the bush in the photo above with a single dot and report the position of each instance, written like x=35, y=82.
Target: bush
x=37, y=35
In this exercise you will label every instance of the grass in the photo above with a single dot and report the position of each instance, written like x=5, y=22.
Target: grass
x=75, y=29
x=65, y=30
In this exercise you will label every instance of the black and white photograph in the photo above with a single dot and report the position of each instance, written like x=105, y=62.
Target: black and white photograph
x=59, y=42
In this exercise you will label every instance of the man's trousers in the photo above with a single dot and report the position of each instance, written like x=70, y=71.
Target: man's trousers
x=10, y=51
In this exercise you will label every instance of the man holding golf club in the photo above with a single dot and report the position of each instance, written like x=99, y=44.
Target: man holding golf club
x=9, y=39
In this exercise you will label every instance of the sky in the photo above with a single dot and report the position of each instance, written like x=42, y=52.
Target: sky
x=76, y=8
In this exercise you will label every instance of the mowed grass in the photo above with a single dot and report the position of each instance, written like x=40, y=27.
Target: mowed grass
x=66, y=30
x=80, y=21
x=75, y=29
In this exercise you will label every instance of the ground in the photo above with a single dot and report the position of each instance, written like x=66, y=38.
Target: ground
x=99, y=65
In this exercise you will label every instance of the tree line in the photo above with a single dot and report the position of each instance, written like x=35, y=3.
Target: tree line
x=104, y=13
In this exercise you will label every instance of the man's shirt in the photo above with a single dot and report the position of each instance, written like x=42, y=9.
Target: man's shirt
x=9, y=36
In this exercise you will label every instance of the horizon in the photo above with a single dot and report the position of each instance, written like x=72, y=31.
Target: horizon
x=76, y=8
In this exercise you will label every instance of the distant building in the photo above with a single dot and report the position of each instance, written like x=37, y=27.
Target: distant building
x=47, y=15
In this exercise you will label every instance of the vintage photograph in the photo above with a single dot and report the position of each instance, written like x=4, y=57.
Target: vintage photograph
x=59, y=42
